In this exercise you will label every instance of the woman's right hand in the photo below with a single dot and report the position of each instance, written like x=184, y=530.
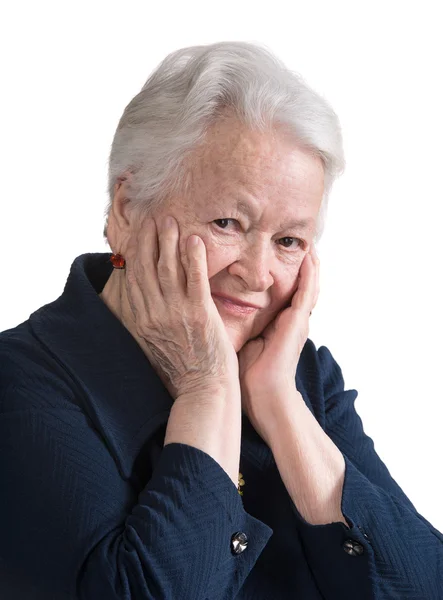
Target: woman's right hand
x=174, y=313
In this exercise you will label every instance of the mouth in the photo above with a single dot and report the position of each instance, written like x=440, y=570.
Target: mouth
x=233, y=307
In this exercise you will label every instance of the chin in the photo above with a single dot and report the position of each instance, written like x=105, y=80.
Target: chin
x=238, y=338
x=241, y=332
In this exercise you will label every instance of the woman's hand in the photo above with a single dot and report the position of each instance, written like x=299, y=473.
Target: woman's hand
x=175, y=314
x=268, y=363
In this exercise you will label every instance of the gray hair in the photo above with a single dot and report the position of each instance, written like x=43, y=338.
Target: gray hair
x=189, y=91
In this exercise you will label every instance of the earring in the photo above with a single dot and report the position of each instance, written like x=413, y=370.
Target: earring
x=118, y=262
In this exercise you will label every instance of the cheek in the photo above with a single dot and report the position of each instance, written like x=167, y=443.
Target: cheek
x=218, y=257
x=284, y=288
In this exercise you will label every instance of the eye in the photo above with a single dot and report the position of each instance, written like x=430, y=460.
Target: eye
x=287, y=242
x=220, y=221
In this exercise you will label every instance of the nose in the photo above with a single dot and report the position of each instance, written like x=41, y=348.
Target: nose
x=253, y=266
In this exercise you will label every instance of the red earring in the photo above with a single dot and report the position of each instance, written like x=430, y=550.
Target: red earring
x=118, y=262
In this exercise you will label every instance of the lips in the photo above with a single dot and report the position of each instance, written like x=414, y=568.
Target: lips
x=236, y=301
x=232, y=307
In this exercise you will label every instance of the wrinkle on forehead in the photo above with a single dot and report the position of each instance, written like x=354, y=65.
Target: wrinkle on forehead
x=259, y=166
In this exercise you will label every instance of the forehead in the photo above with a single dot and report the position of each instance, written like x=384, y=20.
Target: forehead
x=231, y=151
x=257, y=168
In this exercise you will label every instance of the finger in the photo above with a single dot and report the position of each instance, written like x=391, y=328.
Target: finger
x=146, y=259
x=170, y=271
x=317, y=291
x=317, y=275
x=198, y=287
x=181, y=273
x=313, y=284
x=314, y=254
x=141, y=270
x=303, y=299
x=133, y=291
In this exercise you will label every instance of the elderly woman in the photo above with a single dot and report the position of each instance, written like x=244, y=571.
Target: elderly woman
x=167, y=429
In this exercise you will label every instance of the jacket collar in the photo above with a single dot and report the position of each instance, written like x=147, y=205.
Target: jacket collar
x=118, y=388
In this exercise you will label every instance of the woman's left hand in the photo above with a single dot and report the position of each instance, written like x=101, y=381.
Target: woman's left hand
x=268, y=364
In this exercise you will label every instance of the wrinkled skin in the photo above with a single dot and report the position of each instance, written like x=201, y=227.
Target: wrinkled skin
x=185, y=338
x=256, y=258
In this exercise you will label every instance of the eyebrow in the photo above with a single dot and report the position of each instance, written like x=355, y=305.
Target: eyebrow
x=246, y=208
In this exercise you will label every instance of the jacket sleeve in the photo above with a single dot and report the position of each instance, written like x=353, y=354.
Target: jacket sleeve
x=402, y=553
x=72, y=528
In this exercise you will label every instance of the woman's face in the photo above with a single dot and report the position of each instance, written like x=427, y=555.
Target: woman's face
x=247, y=190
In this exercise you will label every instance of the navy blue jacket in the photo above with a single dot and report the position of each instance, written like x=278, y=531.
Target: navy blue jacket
x=93, y=507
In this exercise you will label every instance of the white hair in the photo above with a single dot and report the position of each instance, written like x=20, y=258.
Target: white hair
x=189, y=91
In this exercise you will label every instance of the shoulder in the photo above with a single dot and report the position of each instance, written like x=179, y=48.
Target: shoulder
x=320, y=365
x=319, y=380
x=30, y=376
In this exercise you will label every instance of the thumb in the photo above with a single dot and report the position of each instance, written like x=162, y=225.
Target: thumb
x=250, y=353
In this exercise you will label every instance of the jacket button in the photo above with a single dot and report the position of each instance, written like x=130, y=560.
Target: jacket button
x=239, y=541
x=353, y=548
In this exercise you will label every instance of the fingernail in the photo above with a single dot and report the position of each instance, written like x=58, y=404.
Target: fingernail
x=315, y=256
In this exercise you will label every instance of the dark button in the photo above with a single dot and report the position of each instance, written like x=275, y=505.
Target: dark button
x=239, y=541
x=353, y=548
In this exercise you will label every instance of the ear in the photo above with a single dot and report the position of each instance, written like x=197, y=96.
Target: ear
x=120, y=221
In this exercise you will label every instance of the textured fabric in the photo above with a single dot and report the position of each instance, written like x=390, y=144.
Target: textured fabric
x=93, y=507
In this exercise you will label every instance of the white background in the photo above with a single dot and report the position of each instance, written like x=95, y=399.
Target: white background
x=68, y=71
